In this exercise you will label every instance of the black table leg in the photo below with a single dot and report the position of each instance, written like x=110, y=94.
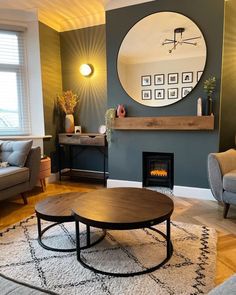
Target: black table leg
x=168, y=241
x=70, y=159
x=39, y=228
x=77, y=240
x=88, y=235
x=104, y=168
x=59, y=161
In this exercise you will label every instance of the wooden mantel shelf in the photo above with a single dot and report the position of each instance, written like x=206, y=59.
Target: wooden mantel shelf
x=165, y=123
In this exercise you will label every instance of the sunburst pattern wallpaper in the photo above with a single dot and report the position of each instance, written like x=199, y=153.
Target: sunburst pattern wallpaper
x=86, y=46
x=61, y=57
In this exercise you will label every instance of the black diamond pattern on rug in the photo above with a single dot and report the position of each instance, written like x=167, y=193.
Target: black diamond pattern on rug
x=191, y=269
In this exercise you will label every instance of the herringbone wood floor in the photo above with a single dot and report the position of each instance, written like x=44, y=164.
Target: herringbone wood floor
x=208, y=213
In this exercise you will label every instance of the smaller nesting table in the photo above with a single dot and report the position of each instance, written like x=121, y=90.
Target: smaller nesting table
x=57, y=209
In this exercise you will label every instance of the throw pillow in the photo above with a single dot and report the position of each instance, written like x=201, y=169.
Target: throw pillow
x=15, y=152
x=4, y=164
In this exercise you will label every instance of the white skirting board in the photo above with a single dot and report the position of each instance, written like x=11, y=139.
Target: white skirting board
x=178, y=191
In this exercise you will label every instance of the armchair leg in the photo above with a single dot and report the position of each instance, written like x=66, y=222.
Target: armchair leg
x=23, y=195
x=226, y=209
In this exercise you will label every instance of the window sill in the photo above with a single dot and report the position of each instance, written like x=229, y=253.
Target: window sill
x=12, y=137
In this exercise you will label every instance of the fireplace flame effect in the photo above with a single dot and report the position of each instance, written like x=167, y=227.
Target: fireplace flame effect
x=159, y=172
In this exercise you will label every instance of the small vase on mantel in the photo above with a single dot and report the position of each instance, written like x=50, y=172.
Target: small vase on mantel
x=120, y=111
x=69, y=123
x=209, y=106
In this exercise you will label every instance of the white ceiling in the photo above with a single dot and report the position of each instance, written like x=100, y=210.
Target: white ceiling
x=143, y=43
x=64, y=15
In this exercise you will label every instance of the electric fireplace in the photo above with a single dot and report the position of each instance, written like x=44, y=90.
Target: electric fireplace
x=158, y=169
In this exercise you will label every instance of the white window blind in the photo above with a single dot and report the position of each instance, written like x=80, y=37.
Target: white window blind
x=14, y=103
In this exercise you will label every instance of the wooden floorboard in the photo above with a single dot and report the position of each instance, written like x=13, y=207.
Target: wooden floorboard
x=187, y=210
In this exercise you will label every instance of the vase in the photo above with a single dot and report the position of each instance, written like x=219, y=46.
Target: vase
x=120, y=111
x=209, y=111
x=69, y=123
x=199, y=107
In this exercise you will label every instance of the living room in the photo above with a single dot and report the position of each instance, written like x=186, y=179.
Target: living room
x=63, y=36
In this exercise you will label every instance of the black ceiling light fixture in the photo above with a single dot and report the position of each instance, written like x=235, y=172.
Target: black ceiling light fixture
x=179, y=40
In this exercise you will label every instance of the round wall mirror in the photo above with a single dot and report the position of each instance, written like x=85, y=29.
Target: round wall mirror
x=161, y=59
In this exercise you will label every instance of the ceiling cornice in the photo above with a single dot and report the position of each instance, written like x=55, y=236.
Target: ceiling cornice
x=75, y=23
x=65, y=15
x=114, y=4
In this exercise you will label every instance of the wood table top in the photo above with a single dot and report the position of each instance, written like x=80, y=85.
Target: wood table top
x=118, y=208
x=57, y=206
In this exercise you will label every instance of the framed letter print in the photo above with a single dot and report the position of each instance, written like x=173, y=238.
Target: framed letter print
x=186, y=90
x=146, y=94
x=172, y=93
x=173, y=78
x=187, y=77
x=159, y=79
x=146, y=80
x=159, y=94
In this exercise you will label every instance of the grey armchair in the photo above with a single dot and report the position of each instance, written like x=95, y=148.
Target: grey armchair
x=222, y=177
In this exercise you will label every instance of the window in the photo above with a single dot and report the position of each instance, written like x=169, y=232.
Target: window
x=14, y=104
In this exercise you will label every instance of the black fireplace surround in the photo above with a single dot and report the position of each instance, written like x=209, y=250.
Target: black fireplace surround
x=158, y=169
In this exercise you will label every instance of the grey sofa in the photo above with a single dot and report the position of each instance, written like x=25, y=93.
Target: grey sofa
x=226, y=288
x=21, y=173
x=222, y=177
x=14, y=287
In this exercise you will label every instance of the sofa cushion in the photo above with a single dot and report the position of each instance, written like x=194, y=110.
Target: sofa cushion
x=227, y=160
x=15, y=152
x=229, y=181
x=11, y=176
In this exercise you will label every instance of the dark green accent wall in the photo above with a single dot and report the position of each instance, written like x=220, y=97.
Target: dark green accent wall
x=86, y=45
x=52, y=85
x=61, y=56
x=190, y=148
x=228, y=102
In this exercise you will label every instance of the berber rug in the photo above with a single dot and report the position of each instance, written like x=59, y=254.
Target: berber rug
x=190, y=270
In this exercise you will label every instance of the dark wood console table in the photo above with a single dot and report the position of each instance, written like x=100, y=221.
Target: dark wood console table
x=84, y=141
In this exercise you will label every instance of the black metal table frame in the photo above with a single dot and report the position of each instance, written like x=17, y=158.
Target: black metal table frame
x=167, y=237
x=100, y=148
x=58, y=221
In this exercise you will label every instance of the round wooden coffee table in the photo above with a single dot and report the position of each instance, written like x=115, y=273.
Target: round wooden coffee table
x=124, y=209
x=57, y=209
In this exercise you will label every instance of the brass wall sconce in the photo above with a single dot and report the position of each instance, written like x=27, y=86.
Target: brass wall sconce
x=86, y=70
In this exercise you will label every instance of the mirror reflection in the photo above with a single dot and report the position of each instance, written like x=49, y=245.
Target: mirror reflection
x=161, y=59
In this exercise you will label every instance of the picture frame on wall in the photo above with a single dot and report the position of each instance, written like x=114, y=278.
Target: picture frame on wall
x=159, y=94
x=159, y=79
x=187, y=77
x=172, y=93
x=146, y=94
x=146, y=80
x=173, y=78
x=186, y=90
x=199, y=74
